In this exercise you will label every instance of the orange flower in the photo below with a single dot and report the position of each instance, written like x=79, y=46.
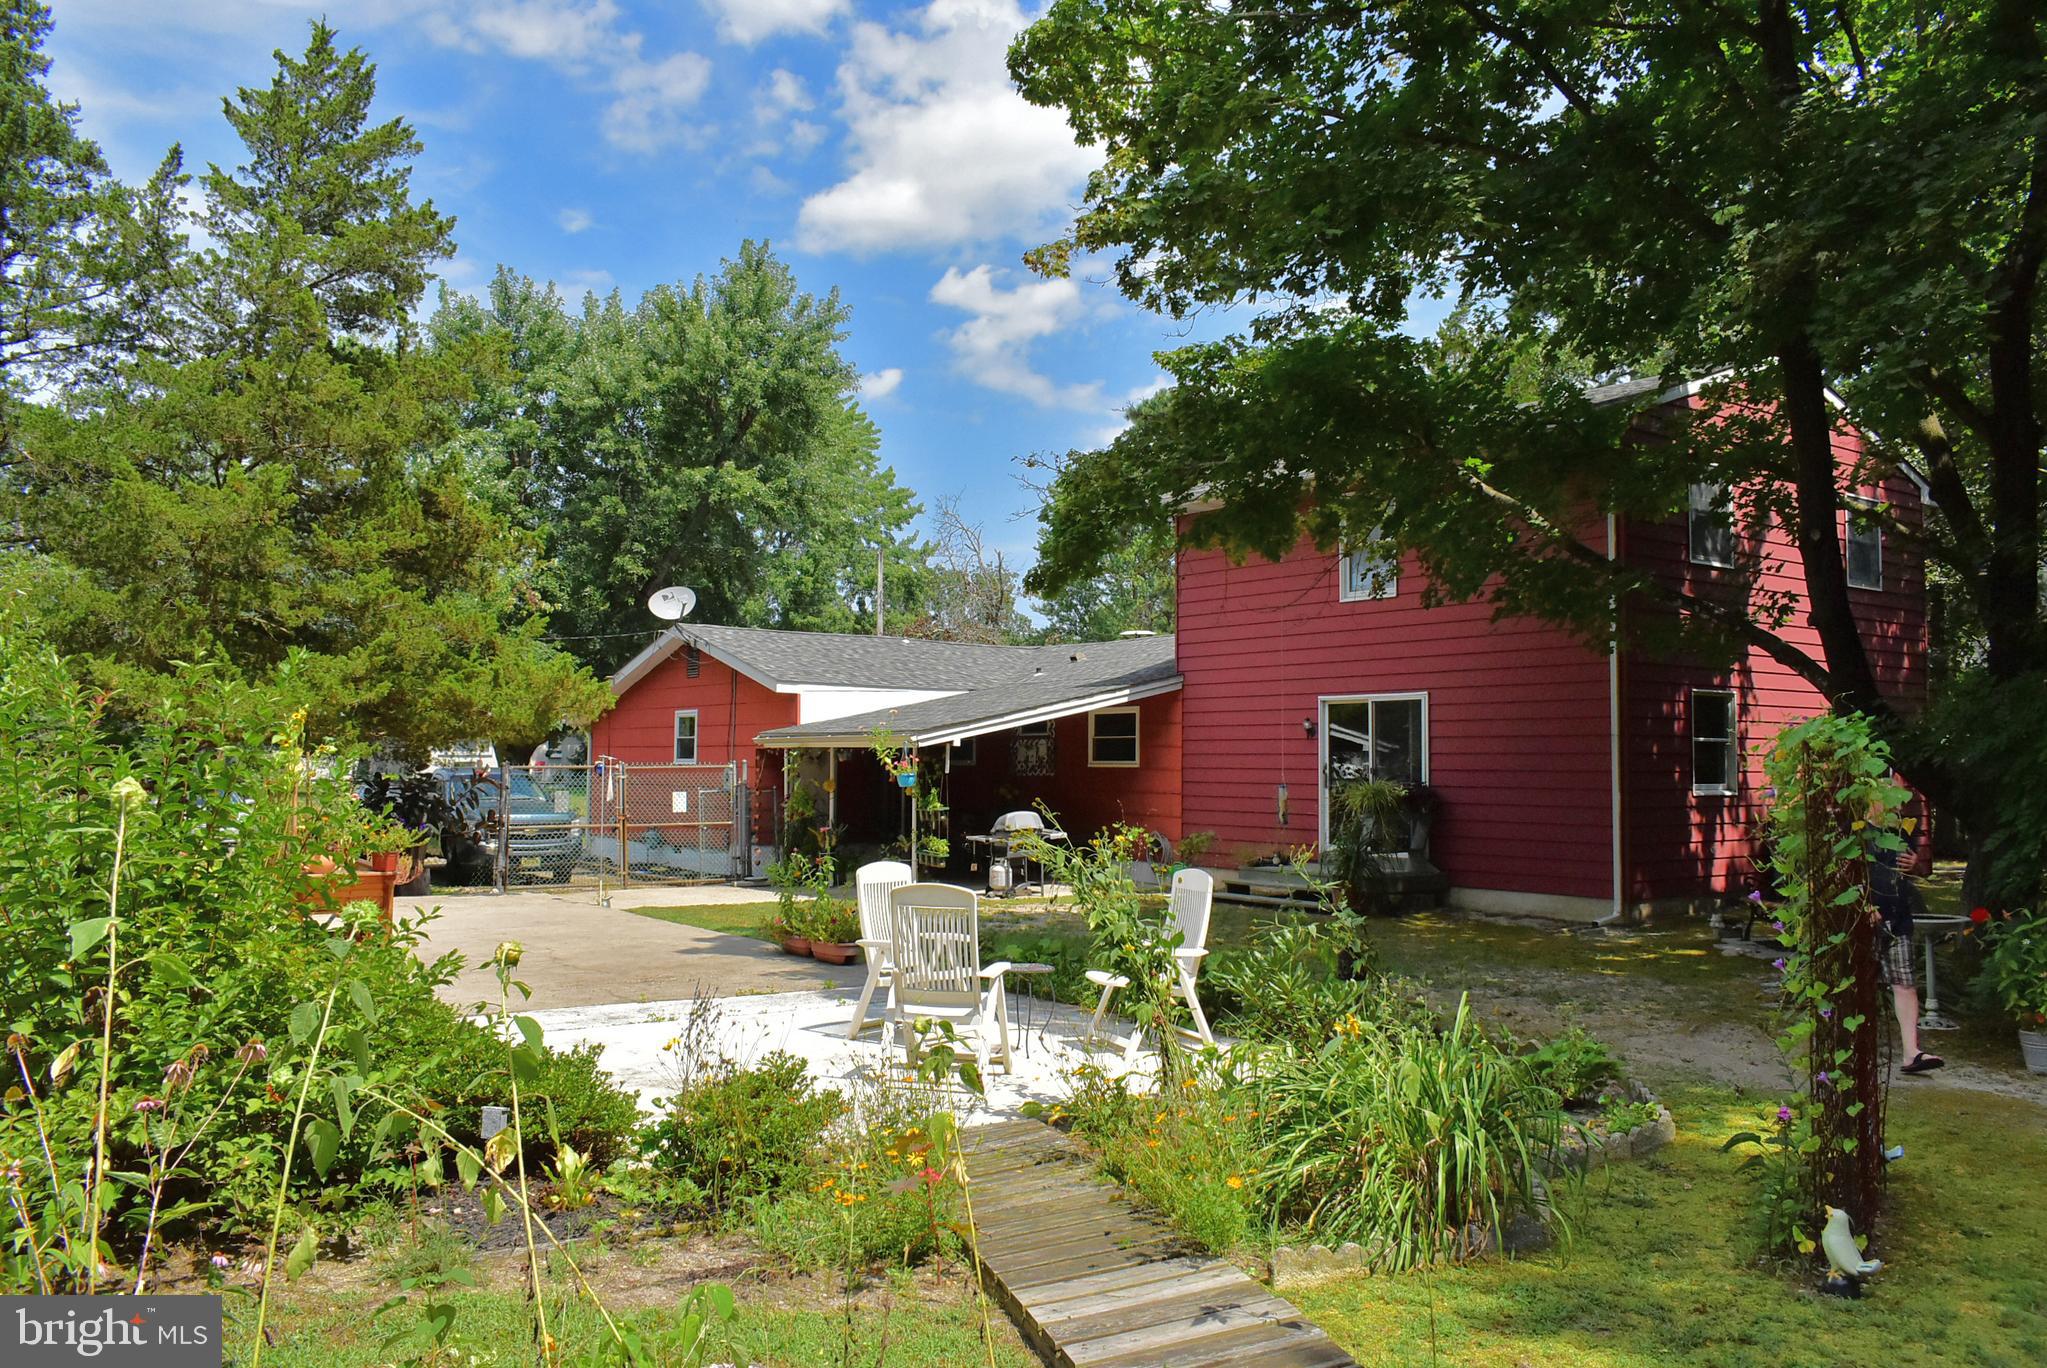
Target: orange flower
x=1234, y=1182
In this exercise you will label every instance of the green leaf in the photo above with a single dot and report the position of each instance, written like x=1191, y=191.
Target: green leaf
x=530, y=1029
x=323, y=1144
x=302, y=1254
x=170, y=970
x=970, y=1076
x=493, y=1205
x=340, y=1086
x=527, y=1065
x=359, y=993
x=305, y=1020
x=467, y=1166
x=88, y=933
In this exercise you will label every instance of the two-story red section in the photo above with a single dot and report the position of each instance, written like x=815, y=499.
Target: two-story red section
x=1572, y=781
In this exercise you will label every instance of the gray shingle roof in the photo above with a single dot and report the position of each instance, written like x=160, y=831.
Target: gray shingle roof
x=1052, y=681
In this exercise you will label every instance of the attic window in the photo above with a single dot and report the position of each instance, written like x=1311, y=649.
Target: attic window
x=1371, y=573
x=692, y=661
x=1865, y=547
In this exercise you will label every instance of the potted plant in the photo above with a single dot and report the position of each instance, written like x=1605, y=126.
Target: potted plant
x=784, y=933
x=2016, y=963
x=933, y=852
x=834, y=930
x=418, y=804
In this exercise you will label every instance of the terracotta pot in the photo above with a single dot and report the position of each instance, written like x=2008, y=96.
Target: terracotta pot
x=384, y=861
x=796, y=945
x=834, y=952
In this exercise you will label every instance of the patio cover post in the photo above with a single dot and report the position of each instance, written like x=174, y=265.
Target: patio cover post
x=831, y=788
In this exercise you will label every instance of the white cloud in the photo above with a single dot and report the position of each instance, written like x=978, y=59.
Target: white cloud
x=992, y=347
x=749, y=21
x=767, y=184
x=804, y=135
x=574, y=220
x=588, y=39
x=652, y=99
x=944, y=151
x=785, y=92
x=881, y=384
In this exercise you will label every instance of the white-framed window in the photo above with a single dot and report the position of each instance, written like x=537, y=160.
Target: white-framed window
x=965, y=753
x=1709, y=526
x=1112, y=738
x=1372, y=573
x=1716, y=754
x=1863, y=538
x=686, y=736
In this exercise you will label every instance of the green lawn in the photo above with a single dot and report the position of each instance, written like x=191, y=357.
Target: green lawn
x=1659, y=1271
x=734, y=919
x=919, y=1328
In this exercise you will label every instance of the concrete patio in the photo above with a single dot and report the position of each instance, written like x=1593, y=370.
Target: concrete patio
x=646, y=1045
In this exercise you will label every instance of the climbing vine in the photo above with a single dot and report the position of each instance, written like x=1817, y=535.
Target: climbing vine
x=1834, y=807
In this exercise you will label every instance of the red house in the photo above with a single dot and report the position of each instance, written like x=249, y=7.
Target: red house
x=1090, y=730
x=1573, y=782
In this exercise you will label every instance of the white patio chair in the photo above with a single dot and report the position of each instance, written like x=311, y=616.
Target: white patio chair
x=1193, y=897
x=873, y=883
x=937, y=974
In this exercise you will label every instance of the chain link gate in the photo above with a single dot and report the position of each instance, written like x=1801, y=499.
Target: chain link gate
x=620, y=824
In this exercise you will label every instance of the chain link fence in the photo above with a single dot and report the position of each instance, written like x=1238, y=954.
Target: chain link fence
x=616, y=823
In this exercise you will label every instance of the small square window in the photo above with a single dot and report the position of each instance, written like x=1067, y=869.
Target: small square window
x=1373, y=573
x=1716, y=760
x=964, y=753
x=686, y=737
x=1710, y=526
x=1865, y=553
x=1112, y=737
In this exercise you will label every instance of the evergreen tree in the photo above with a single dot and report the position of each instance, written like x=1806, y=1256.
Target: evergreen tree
x=289, y=484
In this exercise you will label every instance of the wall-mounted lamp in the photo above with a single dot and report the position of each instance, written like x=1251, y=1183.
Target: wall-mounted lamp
x=1307, y=726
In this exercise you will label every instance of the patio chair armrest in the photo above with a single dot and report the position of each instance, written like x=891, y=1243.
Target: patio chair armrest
x=873, y=944
x=1190, y=954
x=1102, y=978
x=996, y=970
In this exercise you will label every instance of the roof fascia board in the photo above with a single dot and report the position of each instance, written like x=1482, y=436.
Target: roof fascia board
x=1048, y=712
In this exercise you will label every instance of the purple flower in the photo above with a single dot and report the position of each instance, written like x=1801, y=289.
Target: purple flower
x=1756, y=896
x=1827, y=1012
x=1777, y=964
x=221, y=1261
x=1784, y=1115
x=1776, y=926
x=149, y=1104
x=1824, y=1077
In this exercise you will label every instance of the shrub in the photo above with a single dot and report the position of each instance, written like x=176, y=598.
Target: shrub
x=1413, y=1141
x=882, y=1195
x=1574, y=1066
x=740, y=1133
x=1286, y=990
x=2015, y=967
x=1067, y=955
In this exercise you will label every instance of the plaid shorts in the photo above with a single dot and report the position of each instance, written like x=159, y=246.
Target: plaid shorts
x=1896, y=954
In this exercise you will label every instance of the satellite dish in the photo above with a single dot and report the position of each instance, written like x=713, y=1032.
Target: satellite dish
x=671, y=603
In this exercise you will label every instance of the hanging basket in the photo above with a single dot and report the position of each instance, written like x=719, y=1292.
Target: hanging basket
x=907, y=779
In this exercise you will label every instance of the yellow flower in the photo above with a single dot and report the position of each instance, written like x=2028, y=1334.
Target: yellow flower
x=1233, y=1181
x=1152, y=1143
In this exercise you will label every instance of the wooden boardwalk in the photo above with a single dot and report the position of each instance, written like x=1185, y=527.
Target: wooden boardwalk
x=1093, y=1281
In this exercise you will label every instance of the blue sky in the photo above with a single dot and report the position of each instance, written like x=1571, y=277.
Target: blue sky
x=603, y=143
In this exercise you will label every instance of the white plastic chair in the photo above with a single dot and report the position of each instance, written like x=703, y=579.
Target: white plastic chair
x=1193, y=897
x=873, y=883
x=937, y=971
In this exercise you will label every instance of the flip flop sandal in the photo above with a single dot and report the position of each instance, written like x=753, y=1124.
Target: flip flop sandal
x=1923, y=1063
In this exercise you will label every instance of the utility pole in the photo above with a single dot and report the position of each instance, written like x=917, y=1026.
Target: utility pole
x=880, y=551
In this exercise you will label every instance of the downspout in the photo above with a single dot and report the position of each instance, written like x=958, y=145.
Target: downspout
x=1613, y=730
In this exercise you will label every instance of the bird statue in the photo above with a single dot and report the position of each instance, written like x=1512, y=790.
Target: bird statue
x=1846, y=1268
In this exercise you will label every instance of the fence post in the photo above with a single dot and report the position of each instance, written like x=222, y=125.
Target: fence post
x=624, y=842
x=501, y=848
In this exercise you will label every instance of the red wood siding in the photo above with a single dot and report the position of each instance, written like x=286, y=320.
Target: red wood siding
x=731, y=710
x=1517, y=719
x=1678, y=843
x=1086, y=798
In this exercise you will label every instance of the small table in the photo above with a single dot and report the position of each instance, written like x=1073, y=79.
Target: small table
x=1930, y=929
x=1031, y=974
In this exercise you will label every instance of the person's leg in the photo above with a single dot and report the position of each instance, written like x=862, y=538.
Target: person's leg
x=1905, y=998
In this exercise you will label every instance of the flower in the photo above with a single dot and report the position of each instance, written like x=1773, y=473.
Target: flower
x=255, y=1052
x=221, y=1261
x=1756, y=896
x=129, y=793
x=508, y=954
x=1823, y=1077
x=1778, y=964
x=1980, y=915
x=1827, y=1013
x=1784, y=1115
x=1233, y=1182
x=149, y=1104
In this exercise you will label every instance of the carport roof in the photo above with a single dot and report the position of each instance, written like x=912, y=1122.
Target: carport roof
x=1041, y=684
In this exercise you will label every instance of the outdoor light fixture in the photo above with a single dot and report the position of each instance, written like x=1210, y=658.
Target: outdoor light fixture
x=1307, y=726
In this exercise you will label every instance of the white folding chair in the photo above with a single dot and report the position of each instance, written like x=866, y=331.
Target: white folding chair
x=937, y=974
x=873, y=883
x=1193, y=898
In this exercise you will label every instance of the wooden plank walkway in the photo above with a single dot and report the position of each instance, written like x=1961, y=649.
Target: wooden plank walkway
x=1095, y=1282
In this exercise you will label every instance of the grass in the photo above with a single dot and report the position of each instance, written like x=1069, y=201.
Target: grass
x=734, y=919
x=924, y=1328
x=1658, y=1271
